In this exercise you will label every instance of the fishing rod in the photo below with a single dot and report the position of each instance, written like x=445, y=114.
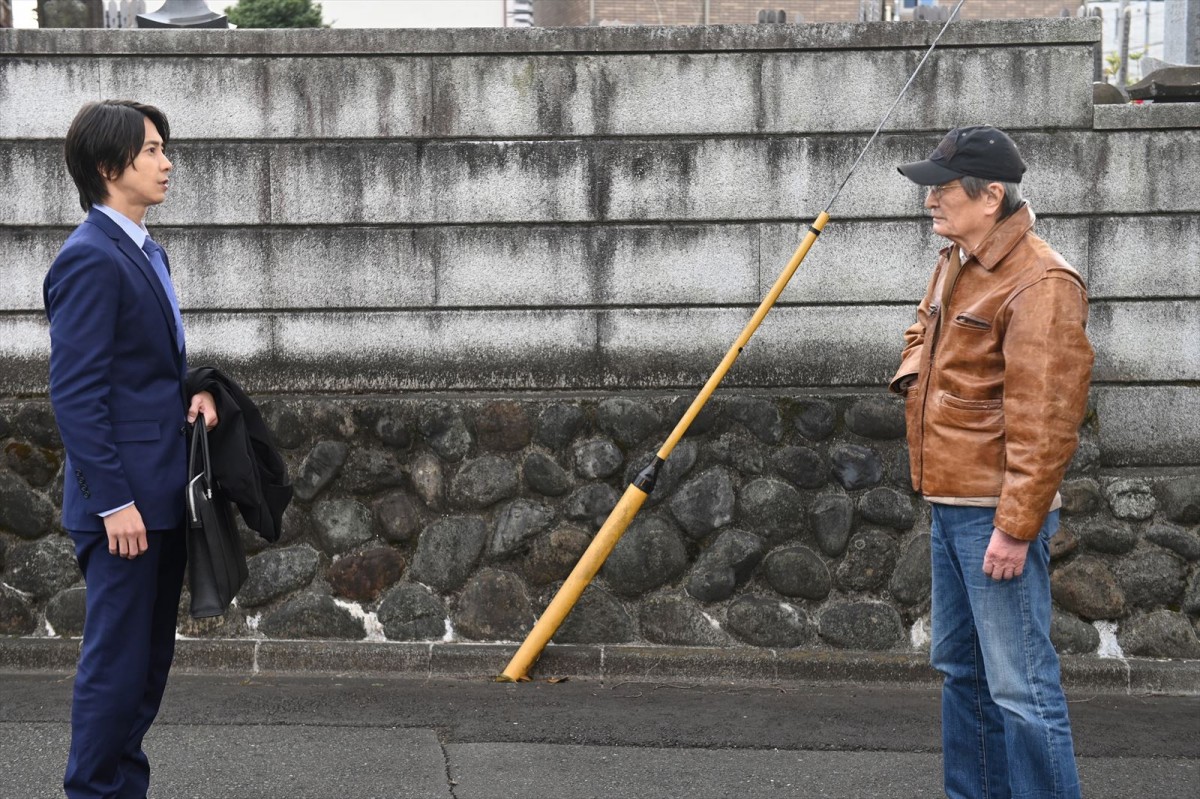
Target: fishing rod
x=637, y=492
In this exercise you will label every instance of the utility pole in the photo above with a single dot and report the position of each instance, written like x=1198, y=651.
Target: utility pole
x=1122, y=25
x=1123, y=19
x=1146, y=31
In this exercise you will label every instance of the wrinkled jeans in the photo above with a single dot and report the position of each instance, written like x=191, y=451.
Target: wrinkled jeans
x=1005, y=731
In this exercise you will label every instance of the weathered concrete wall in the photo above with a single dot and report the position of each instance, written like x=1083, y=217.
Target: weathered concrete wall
x=594, y=211
x=568, y=209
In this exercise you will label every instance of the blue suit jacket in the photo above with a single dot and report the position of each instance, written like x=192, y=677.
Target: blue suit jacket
x=116, y=380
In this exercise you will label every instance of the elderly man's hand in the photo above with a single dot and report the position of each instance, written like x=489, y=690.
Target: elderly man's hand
x=1005, y=558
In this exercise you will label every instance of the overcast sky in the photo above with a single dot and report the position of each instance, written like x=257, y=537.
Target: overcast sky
x=359, y=13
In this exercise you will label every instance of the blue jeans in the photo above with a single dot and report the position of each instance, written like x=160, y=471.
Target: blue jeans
x=1005, y=731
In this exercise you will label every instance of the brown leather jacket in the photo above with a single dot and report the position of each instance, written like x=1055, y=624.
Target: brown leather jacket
x=1001, y=386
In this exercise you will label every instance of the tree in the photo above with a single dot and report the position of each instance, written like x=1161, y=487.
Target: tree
x=275, y=14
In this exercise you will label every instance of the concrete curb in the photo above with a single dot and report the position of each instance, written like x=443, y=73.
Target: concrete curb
x=599, y=662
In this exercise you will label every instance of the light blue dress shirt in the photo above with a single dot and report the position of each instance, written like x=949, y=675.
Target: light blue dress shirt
x=133, y=230
x=138, y=234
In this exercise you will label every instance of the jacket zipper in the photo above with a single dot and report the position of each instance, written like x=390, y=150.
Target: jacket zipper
x=934, y=318
x=935, y=314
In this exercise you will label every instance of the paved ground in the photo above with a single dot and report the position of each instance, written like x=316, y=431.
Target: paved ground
x=223, y=737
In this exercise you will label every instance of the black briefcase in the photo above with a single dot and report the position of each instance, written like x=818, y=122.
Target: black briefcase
x=216, y=560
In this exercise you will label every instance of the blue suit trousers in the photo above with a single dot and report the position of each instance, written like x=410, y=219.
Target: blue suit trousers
x=128, y=645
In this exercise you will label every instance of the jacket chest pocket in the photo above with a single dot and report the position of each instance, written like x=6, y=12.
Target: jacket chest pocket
x=971, y=321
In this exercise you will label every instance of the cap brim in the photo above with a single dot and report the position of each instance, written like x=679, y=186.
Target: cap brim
x=927, y=173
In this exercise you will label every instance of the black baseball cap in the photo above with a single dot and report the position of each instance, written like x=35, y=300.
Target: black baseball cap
x=978, y=151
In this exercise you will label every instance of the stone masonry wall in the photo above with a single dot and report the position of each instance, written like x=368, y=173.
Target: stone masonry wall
x=780, y=521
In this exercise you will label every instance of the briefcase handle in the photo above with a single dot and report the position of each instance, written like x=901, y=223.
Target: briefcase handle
x=199, y=447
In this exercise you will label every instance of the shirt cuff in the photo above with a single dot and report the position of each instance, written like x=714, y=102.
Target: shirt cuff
x=114, y=510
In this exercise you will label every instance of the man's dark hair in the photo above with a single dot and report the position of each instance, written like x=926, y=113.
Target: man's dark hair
x=104, y=139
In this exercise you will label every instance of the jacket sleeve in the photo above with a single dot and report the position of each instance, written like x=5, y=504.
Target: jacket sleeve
x=914, y=340
x=82, y=297
x=1048, y=366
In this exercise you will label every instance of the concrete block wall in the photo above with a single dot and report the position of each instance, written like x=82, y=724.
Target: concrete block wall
x=582, y=209
x=439, y=222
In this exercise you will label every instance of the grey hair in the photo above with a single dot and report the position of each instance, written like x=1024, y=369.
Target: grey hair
x=974, y=187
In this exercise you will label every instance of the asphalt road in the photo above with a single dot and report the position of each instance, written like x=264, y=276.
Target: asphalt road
x=221, y=737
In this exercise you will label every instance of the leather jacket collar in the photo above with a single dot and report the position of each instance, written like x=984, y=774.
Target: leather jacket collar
x=1005, y=235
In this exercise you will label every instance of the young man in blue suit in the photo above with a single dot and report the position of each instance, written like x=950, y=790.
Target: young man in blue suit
x=117, y=369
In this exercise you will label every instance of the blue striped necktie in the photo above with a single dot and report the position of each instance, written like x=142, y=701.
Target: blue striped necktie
x=155, y=254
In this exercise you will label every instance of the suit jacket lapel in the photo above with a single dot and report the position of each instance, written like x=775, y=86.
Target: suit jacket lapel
x=139, y=259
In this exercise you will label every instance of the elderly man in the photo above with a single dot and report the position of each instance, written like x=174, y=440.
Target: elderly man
x=995, y=377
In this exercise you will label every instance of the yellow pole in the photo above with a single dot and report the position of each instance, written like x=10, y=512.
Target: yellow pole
x=764, y=308
x=631, y=502
x=636, y=494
